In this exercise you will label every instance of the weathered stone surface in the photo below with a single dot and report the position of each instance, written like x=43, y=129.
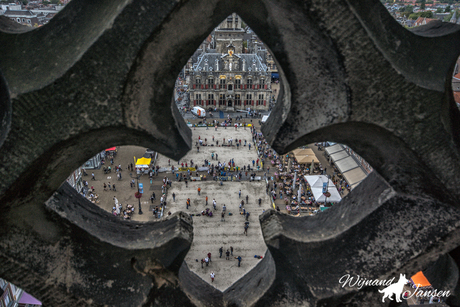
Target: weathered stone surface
x=102, y=74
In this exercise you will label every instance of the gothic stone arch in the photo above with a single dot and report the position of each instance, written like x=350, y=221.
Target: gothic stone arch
x=349, y=74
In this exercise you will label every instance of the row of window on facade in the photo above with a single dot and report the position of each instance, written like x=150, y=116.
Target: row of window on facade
x=23, y=20
x=223, y=101
x=223, y=84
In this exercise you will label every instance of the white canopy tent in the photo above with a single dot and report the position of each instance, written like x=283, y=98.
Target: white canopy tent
x=316, y=184
x=339, y=155
x=354, y=176
x=346, y=164
x=334, y=148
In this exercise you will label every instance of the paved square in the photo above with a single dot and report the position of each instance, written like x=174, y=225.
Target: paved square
x=242, y=156
x=210, y=233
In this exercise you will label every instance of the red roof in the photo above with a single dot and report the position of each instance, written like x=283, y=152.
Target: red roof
x=457, y=76
x=111, y=149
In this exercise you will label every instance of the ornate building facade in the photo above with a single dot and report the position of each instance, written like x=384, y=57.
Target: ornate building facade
x=227, y=79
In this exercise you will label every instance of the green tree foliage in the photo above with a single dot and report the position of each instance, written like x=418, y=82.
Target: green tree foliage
x=422, y=5
x=448, y=9
x=409, y=9
x=448, y=17
x=439, y=10
x=414, y=16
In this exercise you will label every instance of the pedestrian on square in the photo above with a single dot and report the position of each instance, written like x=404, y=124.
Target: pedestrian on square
x=224, y=208
x=239, y=260
x=174, y=196
x=206, y=260
x=109, y=186
x=202, y=262
x=187, y=203
x=244, y=211
x=212, y=276
x=214, y=204
x=169, y=161
x=246, y=226
x=206, y=200
x=113, y=188
x=209, y=256
x=92, y=176
x=247, y=216
x=222, y=219
x=105, y=187
x=231, y=250
x=227, y=255
x=199, y=190
x=221, y=250
x=260, y=202
x=247, y=199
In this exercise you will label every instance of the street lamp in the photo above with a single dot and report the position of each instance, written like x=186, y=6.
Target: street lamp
x=139, y=195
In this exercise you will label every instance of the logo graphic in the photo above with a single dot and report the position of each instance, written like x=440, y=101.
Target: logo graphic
x=396, y=289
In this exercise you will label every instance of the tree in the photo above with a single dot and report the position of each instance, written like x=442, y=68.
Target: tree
x=409, y=9
x=448, y=17
x=439, y=10
x=448, y=9
x=422, y=5
x=428, y=14
x=25, y=2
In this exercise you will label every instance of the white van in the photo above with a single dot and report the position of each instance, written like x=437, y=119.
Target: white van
x=198, y=111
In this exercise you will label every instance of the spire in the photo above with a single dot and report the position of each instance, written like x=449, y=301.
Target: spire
x=454, y=17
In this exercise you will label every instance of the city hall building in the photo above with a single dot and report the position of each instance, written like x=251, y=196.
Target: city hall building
x=226, y=78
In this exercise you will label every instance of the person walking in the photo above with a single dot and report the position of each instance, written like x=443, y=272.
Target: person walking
x=206, y=200
x=199, y=190
x=227, y=255
x=202, y=262
x=231, y=250
x=246, y=226
x=221, y=250
x=174, y=196
x=222, y=219
x=260, y=202
x=247, y=216
x=239, y=260
x=187, y=202
x=92, y=176
x=212, y=276
x=239, y=194
x=224, y=208
x=206, y=260
x=214, y=204
x=209, y=256
x=247, y=199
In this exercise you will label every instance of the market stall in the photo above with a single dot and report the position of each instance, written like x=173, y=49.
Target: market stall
x=333, y=149
x=354, y=176
x=346, y=164
x=143, y=165
x=317, y=182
